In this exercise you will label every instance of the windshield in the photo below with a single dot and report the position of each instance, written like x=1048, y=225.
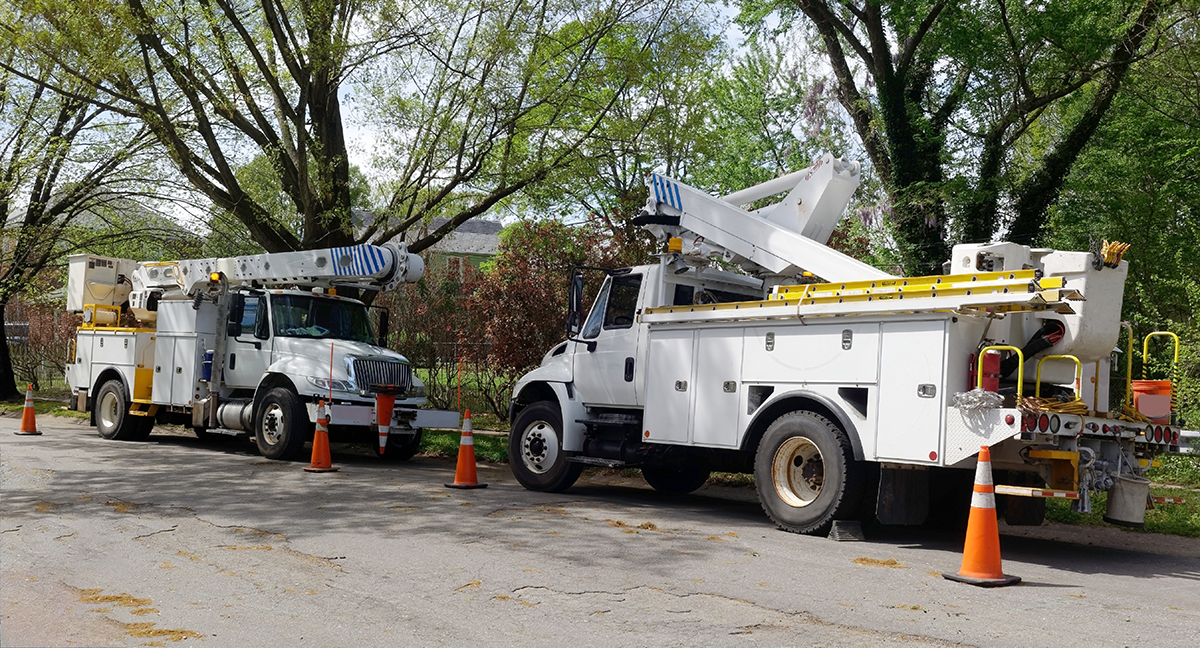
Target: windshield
x=313, y=317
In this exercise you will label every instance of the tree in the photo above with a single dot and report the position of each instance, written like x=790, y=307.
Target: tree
x=1139, y=182
x=61, y=158
x=472, y=111
x=942, y=94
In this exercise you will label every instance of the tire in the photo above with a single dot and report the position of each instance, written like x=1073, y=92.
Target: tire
x=111, y=408
x=281, y=425
x=677, y=480
x=806, y=475
x=535, y=452
x=398, y=451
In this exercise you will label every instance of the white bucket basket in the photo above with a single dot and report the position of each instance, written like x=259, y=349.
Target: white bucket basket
x=1127, y=501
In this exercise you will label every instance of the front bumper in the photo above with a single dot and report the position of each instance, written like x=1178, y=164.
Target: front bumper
x=403, y=419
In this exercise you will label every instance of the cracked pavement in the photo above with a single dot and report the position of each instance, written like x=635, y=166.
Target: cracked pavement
x=177, y=542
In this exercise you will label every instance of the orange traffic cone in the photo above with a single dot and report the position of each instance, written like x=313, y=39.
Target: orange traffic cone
x=464, y=474
x=321, y=461
x=28, y=425
x=981, y=554
x=384, y=403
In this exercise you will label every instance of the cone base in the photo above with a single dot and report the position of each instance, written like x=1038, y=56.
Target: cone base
x=984, y=582
x=330, y=469
x=34, y=433
x=466, y=486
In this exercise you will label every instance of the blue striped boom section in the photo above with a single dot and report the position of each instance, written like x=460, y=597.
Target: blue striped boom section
x=666, y=191
x=365, y=260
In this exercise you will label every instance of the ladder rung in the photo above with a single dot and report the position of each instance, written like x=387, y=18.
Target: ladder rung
x=1025, y=491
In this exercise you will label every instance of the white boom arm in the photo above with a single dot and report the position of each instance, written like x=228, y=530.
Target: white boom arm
x=782, y=239
x=374, y=267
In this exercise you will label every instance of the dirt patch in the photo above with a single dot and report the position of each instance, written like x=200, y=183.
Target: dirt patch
x=123, y=507
x=873, y=562
x=94, y=597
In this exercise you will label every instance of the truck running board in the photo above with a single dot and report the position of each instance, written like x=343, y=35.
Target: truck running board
x=597, y=461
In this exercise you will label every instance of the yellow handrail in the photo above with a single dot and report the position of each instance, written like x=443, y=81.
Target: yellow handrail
x=1128, y=365
x=1146, y=351
x=1003, y=347
x=1037, y=391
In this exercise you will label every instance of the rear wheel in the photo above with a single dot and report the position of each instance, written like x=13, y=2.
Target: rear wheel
x=675, y=479
x=535, y=452
x=806, y=475
x=281, y=425
x=399, y=447
x=113, y=420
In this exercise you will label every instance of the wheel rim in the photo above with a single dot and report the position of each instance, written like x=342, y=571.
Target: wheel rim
x=798, y=471
x=274, y=423
x=539, y=447
x=108, y=412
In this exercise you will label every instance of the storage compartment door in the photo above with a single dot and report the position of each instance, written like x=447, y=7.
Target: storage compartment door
x=911, y=386
x=668, y=387
x=183, y=373
x=164, y=367
x=718, y=387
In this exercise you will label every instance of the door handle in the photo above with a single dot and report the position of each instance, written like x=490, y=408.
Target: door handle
x=628, y=369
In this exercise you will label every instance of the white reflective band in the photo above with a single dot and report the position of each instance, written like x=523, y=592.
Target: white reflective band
x=983, y=500
x=467, y=440
x=983, y=474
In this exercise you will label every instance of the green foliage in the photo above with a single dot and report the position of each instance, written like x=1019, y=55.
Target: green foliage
x=1139, y=182
x=1174, y=519
x=1180, y=470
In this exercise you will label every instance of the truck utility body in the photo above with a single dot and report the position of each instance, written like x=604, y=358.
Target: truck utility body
x=246, y=346
x=859, y=395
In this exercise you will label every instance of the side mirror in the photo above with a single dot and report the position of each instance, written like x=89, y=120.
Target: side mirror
x=575, y=305
x=237, y=309
x=383, y=328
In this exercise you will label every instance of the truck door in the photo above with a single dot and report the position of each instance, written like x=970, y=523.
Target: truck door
x=247, y=356
x=606, y=375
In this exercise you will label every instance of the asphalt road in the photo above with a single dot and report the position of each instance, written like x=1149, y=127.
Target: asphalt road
x=175, y=542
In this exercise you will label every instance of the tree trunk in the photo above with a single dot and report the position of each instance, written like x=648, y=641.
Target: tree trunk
x=8, y=379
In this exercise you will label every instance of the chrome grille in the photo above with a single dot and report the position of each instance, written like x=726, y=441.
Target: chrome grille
x=382, y=376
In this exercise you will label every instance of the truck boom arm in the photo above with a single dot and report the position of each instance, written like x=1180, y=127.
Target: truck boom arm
x=373, y=267
x=782, y=239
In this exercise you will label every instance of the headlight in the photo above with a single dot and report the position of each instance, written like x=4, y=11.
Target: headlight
x=335, y=385
x=418, y=391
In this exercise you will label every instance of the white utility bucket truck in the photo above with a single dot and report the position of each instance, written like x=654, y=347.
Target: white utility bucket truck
x=848, y=393
x=247, y=346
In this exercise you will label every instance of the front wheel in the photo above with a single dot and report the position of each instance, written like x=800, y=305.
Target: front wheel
x=281, y=425
x=113, y=420
x=399, y=447
x=806, y=475
x=535, y=451
x=678, y=480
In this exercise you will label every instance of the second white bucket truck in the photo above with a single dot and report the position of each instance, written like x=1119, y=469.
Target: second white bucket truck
x=247, y=346
x=864, y=396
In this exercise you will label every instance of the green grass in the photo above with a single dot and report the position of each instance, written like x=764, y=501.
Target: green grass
x=1181, y=470
x=1175, y=519
x=444, y=443
x=42, y=408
